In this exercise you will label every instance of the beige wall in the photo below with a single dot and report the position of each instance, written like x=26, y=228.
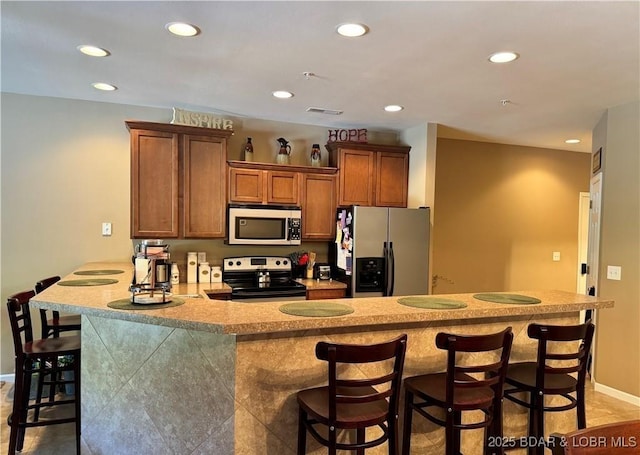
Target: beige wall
x=617, y=360
x=501, y=212
x=65, y=170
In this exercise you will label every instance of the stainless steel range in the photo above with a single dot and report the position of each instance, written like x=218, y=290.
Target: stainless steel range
x=261, y=278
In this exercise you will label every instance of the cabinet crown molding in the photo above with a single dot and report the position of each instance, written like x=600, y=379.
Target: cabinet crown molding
x=333, y=146
x=281, y=167
x=178, y=129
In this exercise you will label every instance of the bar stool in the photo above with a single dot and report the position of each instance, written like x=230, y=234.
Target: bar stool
x=456, y=391
x=38, y=356
x=551, y=374
x=54, y=326
x=354, y=404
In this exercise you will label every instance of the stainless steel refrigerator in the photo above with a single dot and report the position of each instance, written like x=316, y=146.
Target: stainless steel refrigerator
x=380, y=251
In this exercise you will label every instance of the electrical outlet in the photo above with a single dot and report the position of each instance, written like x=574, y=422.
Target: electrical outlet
x=556, y=256
x=106, y=229
x=614, y=272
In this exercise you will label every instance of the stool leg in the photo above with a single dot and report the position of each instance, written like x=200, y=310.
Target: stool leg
x=406, y=426
x=457, y=420
x=14, y=418
x=23, y=411
x=580, y=408
x=393, y=435
x=360, y=436
x=302, y=431
x=539, y=425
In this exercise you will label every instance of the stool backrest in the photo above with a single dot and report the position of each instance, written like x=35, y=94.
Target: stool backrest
x=574, y=361
x=388, y=382
x=45, y=283
x=494, y=372
x=20, y=319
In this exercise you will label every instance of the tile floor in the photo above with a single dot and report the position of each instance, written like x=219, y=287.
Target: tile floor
x=601, y=409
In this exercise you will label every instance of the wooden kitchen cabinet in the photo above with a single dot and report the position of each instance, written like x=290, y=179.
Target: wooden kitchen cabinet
x=319, y=197
x=178, y=181
x=370, y=174
x=314, y=189
x=257, y=185
x=322, y=294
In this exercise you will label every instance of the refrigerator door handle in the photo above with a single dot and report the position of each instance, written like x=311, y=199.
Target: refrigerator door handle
x=385, y=278
x=391, y=269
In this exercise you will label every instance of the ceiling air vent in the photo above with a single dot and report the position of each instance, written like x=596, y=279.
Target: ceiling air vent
x=320, y=110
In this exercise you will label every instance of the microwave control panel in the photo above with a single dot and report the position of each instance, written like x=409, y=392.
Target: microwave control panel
x=295, y=229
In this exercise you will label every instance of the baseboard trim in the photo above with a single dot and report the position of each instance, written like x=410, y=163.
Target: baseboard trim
x=620, y=395
x=8, y=377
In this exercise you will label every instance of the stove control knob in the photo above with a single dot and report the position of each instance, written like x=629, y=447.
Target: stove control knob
x=285, y=262
x=230, y=263
x=277, y=262
x=238, y=263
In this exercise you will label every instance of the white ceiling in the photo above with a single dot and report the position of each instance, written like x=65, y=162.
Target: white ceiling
x=577, y=60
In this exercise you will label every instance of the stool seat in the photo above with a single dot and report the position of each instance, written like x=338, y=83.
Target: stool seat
x=523, y=375
x=348, y=415
x=52, y=347
x=435, y=386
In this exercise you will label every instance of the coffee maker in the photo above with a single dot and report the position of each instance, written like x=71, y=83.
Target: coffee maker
x=152, y=279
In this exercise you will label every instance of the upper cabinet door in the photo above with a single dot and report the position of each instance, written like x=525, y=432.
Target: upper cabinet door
x=319, y=197
x=204, y=186
x=154, y=184
x=282, y=187
x=356, y=169
x=245, y=185
x=392, y=177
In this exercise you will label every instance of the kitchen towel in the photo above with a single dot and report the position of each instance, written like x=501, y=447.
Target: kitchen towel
x=507, y=298
x=316, y=309
x=431, y=303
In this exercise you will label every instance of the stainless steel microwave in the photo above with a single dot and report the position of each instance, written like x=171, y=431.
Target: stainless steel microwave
x=264, y=225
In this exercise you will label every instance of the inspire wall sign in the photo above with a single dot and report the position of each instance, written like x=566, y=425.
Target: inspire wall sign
x=202, y=119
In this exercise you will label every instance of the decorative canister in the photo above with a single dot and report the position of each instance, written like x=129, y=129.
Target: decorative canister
x=248, y=150
x=204, y=273
x=316, y=158
x=192, y=267
x=283, y=156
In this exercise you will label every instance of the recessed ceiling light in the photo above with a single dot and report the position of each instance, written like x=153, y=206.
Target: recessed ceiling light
x=572, y=141
x=352, y=30
x=503, y=57
x=93, y=51
x=282, y=94
x=104, y=86
x=182, y=29
x=393, y=108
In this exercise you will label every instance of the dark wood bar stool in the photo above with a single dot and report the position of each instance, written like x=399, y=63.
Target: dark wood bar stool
x=354, y=404
x=41, y=357
x=552, y=374
x=57, y=324
x=456, y=390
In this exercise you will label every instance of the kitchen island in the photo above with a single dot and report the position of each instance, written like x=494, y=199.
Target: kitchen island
x=220, y=377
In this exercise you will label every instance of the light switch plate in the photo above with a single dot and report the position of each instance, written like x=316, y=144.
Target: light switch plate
x=614, y=272
x=556, y=256
x=106, y=229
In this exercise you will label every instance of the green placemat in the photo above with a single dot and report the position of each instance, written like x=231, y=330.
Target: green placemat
x=431, y=303
x=507, y=298
x=98, y=272
x=88, y=282
x=316, y=309
x=125, y=304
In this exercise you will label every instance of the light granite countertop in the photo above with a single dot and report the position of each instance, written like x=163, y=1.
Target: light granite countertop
x=234, y=317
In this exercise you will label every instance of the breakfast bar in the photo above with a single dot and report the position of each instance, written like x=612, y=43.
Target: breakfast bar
x=205, y=376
